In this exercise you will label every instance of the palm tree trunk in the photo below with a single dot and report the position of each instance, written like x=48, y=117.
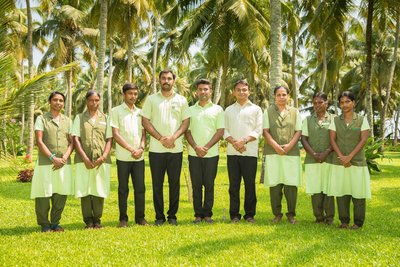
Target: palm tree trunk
x=275, y=75
x=324, y=67
x=396, y=125
x=368, y=65
x=217, y=90
x=391, y=74
x=110, y=75
x=22, y=135
x=68, y=108
x=293, y=67
x=102, y=50
x=130, y=56
x=157, y=25
x=31, y=107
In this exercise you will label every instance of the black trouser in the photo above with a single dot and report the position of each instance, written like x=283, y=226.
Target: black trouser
x=323, y=207
x=276, y=195
x=359, y=206
x=238, y=167
x=159, y=164
x=202, y=173
x=136, y=170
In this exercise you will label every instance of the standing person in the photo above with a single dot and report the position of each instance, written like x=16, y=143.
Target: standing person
x=52, y=180
x=205, y=130
x=349, y=179
x=130, y=136
x=315, y=140
x=92, y=139
x=282, y=130
x=243, y=127
x=165, y=116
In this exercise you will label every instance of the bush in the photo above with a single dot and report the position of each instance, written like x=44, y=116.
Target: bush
x=373, y=151
x=25, y=176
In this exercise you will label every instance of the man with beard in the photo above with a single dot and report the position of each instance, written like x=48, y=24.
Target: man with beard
x=206, y=129
x=165, y=115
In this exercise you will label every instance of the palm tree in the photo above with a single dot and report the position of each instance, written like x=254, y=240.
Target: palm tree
x=368, y=64
x=64, y=24
x=102, y=48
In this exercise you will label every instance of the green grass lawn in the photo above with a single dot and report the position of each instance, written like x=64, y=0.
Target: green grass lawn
x=220, y=244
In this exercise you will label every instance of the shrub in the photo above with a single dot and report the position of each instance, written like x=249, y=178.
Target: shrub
x=373, y=151
x=25, y=176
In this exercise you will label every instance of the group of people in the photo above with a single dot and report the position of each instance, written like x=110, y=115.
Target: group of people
x=335, y=164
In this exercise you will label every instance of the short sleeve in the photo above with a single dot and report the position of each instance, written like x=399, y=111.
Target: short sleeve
x=114, y=122
x=332, y=126
x=108, y=129
x=185, y=110
x=365, y=125
x=221, y=119
x=304, y=128
x=39, y=124
x=265, y=120
x=76, y=127
x=146, y=109
x=298, y=121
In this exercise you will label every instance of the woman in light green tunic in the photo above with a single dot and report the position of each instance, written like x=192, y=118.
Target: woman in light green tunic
x=315, y=139
x=349, y=177
x=282, y=130
x=92, y=137
x=52, y=179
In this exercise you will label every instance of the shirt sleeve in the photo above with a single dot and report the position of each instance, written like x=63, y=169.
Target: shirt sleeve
x=221, y=119
x=304, y=128
x=185, y=110
x=108, y=128
x=114, y=123
x=146, y=109
x=332, y=126
x=265, y=120
x=227, y=128
x=39, y=124
x=76, y=127
x=258, y=127
x=365, y=125
x=70, y=126
x=298, y=121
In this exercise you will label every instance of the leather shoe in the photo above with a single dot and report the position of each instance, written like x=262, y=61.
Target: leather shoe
x=197, y=220
x=208, y=220
x=173, y=222
x=277, y=219
x=292, y=220
x=123, y=224
x=89, y=226
x=143, y=222
x=355, y=227
x=97, y=226
x=57, y=228
x=344, y=226
x=46, y=229
x=159, y=222
x=235, y=220
x=250, y=220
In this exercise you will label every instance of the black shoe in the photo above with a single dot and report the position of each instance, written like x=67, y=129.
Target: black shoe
x=208, y=220
x=173, y=222
x=235, y=220
x=197, y=220
x=159, y=222
x=46, y=229
x=57, y=228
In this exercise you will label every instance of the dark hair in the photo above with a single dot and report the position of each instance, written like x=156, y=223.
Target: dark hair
x=279, y=87
x=129, y=86
x=348, y=94
x=56, y=93
x=321, y=95
x=92, y=92
x=203, y=81
x=167, y=71
x=244, y=82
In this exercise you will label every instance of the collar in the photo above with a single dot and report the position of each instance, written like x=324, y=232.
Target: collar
x=326, y=115
x=248, y=103
x=50, y=116
x=209, y=103
x=125, y=106
x=354, y=116
x=173, y=94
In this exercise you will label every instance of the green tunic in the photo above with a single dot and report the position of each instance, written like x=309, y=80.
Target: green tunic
x=45, y=181
x=285, y=169
x=93, y=135
x=316, y=174
x=355, y=179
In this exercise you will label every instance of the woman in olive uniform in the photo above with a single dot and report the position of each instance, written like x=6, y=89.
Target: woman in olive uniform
x=52, y=180
x=349, y=177
x=315, y=139
x=92, y=138
x=282, y=130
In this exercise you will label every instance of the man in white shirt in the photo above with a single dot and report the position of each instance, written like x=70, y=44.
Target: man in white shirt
x=243, y=127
